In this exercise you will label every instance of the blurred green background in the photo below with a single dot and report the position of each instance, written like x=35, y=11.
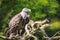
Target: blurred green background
x=41, y=9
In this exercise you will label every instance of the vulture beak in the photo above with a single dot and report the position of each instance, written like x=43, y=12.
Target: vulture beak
x=29, y=10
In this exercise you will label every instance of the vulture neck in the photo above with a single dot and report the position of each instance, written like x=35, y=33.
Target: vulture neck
x=24, y=15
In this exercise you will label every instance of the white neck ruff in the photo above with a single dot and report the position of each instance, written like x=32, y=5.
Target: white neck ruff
x=24, y=15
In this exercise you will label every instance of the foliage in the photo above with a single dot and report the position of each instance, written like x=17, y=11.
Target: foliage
x=55, y=24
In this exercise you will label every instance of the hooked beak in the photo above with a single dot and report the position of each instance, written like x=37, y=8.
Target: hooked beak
x=29, y=10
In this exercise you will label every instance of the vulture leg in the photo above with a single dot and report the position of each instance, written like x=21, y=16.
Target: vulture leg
x=21, y=32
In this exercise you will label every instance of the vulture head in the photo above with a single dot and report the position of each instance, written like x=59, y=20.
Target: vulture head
x=26, y=10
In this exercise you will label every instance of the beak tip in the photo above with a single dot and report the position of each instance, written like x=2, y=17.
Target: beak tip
x=30, y=10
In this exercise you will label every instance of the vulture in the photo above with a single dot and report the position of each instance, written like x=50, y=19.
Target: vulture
x=18, y=22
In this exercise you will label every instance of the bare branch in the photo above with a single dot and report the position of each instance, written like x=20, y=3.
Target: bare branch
x=4, y=37
x=57, y=33
x=30, y=30
x=56, y=37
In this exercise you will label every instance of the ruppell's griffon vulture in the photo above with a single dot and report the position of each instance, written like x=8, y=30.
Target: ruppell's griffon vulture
x=18, y=22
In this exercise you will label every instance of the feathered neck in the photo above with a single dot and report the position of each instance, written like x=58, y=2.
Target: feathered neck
x=24, y=15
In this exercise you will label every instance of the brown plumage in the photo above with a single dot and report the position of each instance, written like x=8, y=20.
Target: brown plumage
x=18, y=22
